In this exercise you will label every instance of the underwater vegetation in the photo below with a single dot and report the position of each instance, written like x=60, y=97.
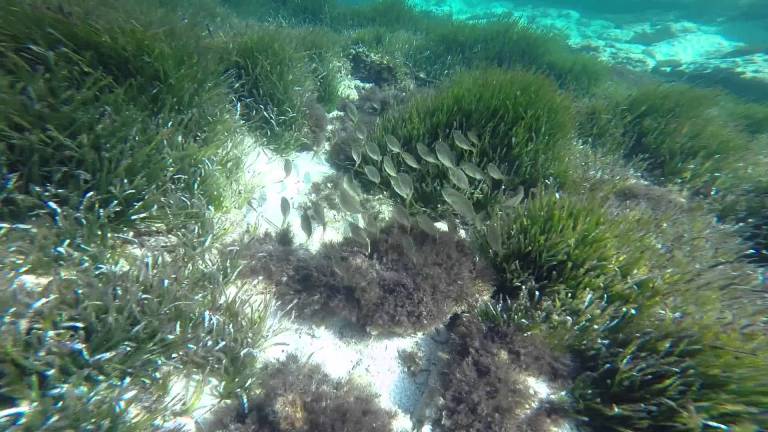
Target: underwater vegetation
x=659, y=288
x=280, y=75
x=701, y=140
x=673, y=127
x=434, y=47
x=92, y=344
x=297, y=12
x=483, y=379
x=85, y=114
x=505, y=43
x=439, y=48
x=408, y=281
x=271, y=79
x=296, y=395
x=557, y=245
x=118, y=143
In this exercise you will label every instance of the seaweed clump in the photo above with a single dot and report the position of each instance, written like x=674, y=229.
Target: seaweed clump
x=300, y=397
x=661, y=319
x=90, y=101
x=507, y=43
x=710, y=144
x=484, y=381
x=406, y=282
x=558, y=245
x=78, y=334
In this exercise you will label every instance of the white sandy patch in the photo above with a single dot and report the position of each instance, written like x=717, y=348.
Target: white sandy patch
x=691, y=47
x=372, y=360
x=267, y=171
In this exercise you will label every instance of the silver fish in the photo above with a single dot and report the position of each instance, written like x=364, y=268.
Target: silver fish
x=426, y=154
x=495, y=172
x=410, y=160
x=306, y=224
x=458, y=178
x=400, y=214
x=459, y=202
x=462, y=141
x=445, y=155
x=389, y=166
x=426, y=224
x=372, y=173
x=472, y=170
x=285, y=208
x=403, y=185
x=393, y=143
x=373, y=150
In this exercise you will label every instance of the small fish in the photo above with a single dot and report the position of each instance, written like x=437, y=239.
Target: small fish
x=400, y=214
x=353, y=114
x=393, y=143
x=373, y=150
x=426, y=224
x=444, y=154
x=472, y=170
x=515, y=199
x=459, y=202
x=426, y=153
x=359, y=235
x=306, y=224
x=285, y=208
x=389, y=166
x=458, y=178
x=495, y=172
x=372, y=173
x=357, y=154
x=410, y=160
x=403, y=185
x=287, y=167
x=493, y=234
x=473, y=138
x=351, y=185
x=462, y=141
x=349, y=201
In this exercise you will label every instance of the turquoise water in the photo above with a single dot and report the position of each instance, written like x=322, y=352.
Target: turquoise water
x=336, y=216
x=707, y=43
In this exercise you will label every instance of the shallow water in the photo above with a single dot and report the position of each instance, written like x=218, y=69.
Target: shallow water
x=321, y=216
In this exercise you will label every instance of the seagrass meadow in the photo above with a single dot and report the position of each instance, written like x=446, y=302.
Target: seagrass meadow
x=193, y=194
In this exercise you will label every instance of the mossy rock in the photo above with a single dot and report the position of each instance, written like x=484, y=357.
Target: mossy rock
x=374, y=68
